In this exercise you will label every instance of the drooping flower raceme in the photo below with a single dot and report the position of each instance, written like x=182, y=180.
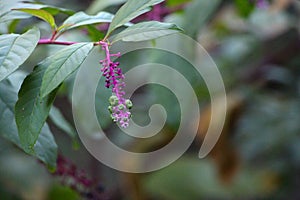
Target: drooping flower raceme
x=119, y=106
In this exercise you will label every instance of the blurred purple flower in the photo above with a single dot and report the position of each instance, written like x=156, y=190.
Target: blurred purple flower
x=262, y=3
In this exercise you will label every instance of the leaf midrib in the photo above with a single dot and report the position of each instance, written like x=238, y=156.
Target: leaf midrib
x=9, y=50
x=56, y=71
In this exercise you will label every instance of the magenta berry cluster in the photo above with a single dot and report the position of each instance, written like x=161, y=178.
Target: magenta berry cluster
x=71, y=176
x=119, y=106
x=68, y=174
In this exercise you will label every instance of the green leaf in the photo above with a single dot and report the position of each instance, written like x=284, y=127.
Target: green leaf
x=176, y=2
x=13, y=25
x=63, y=64
x=196, y=15
x=81, y=19
x=45, y=148
x=12, y=15
x=8, y=99
x=15, y=49
x=6, y=6
x=53, y=10
x=7, y=12
x=59, y=120
x=244, y=8
x=42, y=14
x=31, y=111
x=130, y=10
x=146, y=31
x=94, y=33
x=98, y=5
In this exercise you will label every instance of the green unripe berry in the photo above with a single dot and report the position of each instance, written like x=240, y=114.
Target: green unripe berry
x=113, y=100
x=121, y=107
x=114, y=119
x=128, y=104
x=110, y=109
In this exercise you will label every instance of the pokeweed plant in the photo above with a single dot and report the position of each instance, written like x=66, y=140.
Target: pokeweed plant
x=23, y=112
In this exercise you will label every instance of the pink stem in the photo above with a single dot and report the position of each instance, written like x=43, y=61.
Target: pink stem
x=105, y=46
x=48, y=41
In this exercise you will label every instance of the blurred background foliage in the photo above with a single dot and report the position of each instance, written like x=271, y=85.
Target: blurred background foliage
x=256, y=46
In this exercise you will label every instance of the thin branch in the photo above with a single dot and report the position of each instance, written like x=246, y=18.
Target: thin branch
x=48, y=41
